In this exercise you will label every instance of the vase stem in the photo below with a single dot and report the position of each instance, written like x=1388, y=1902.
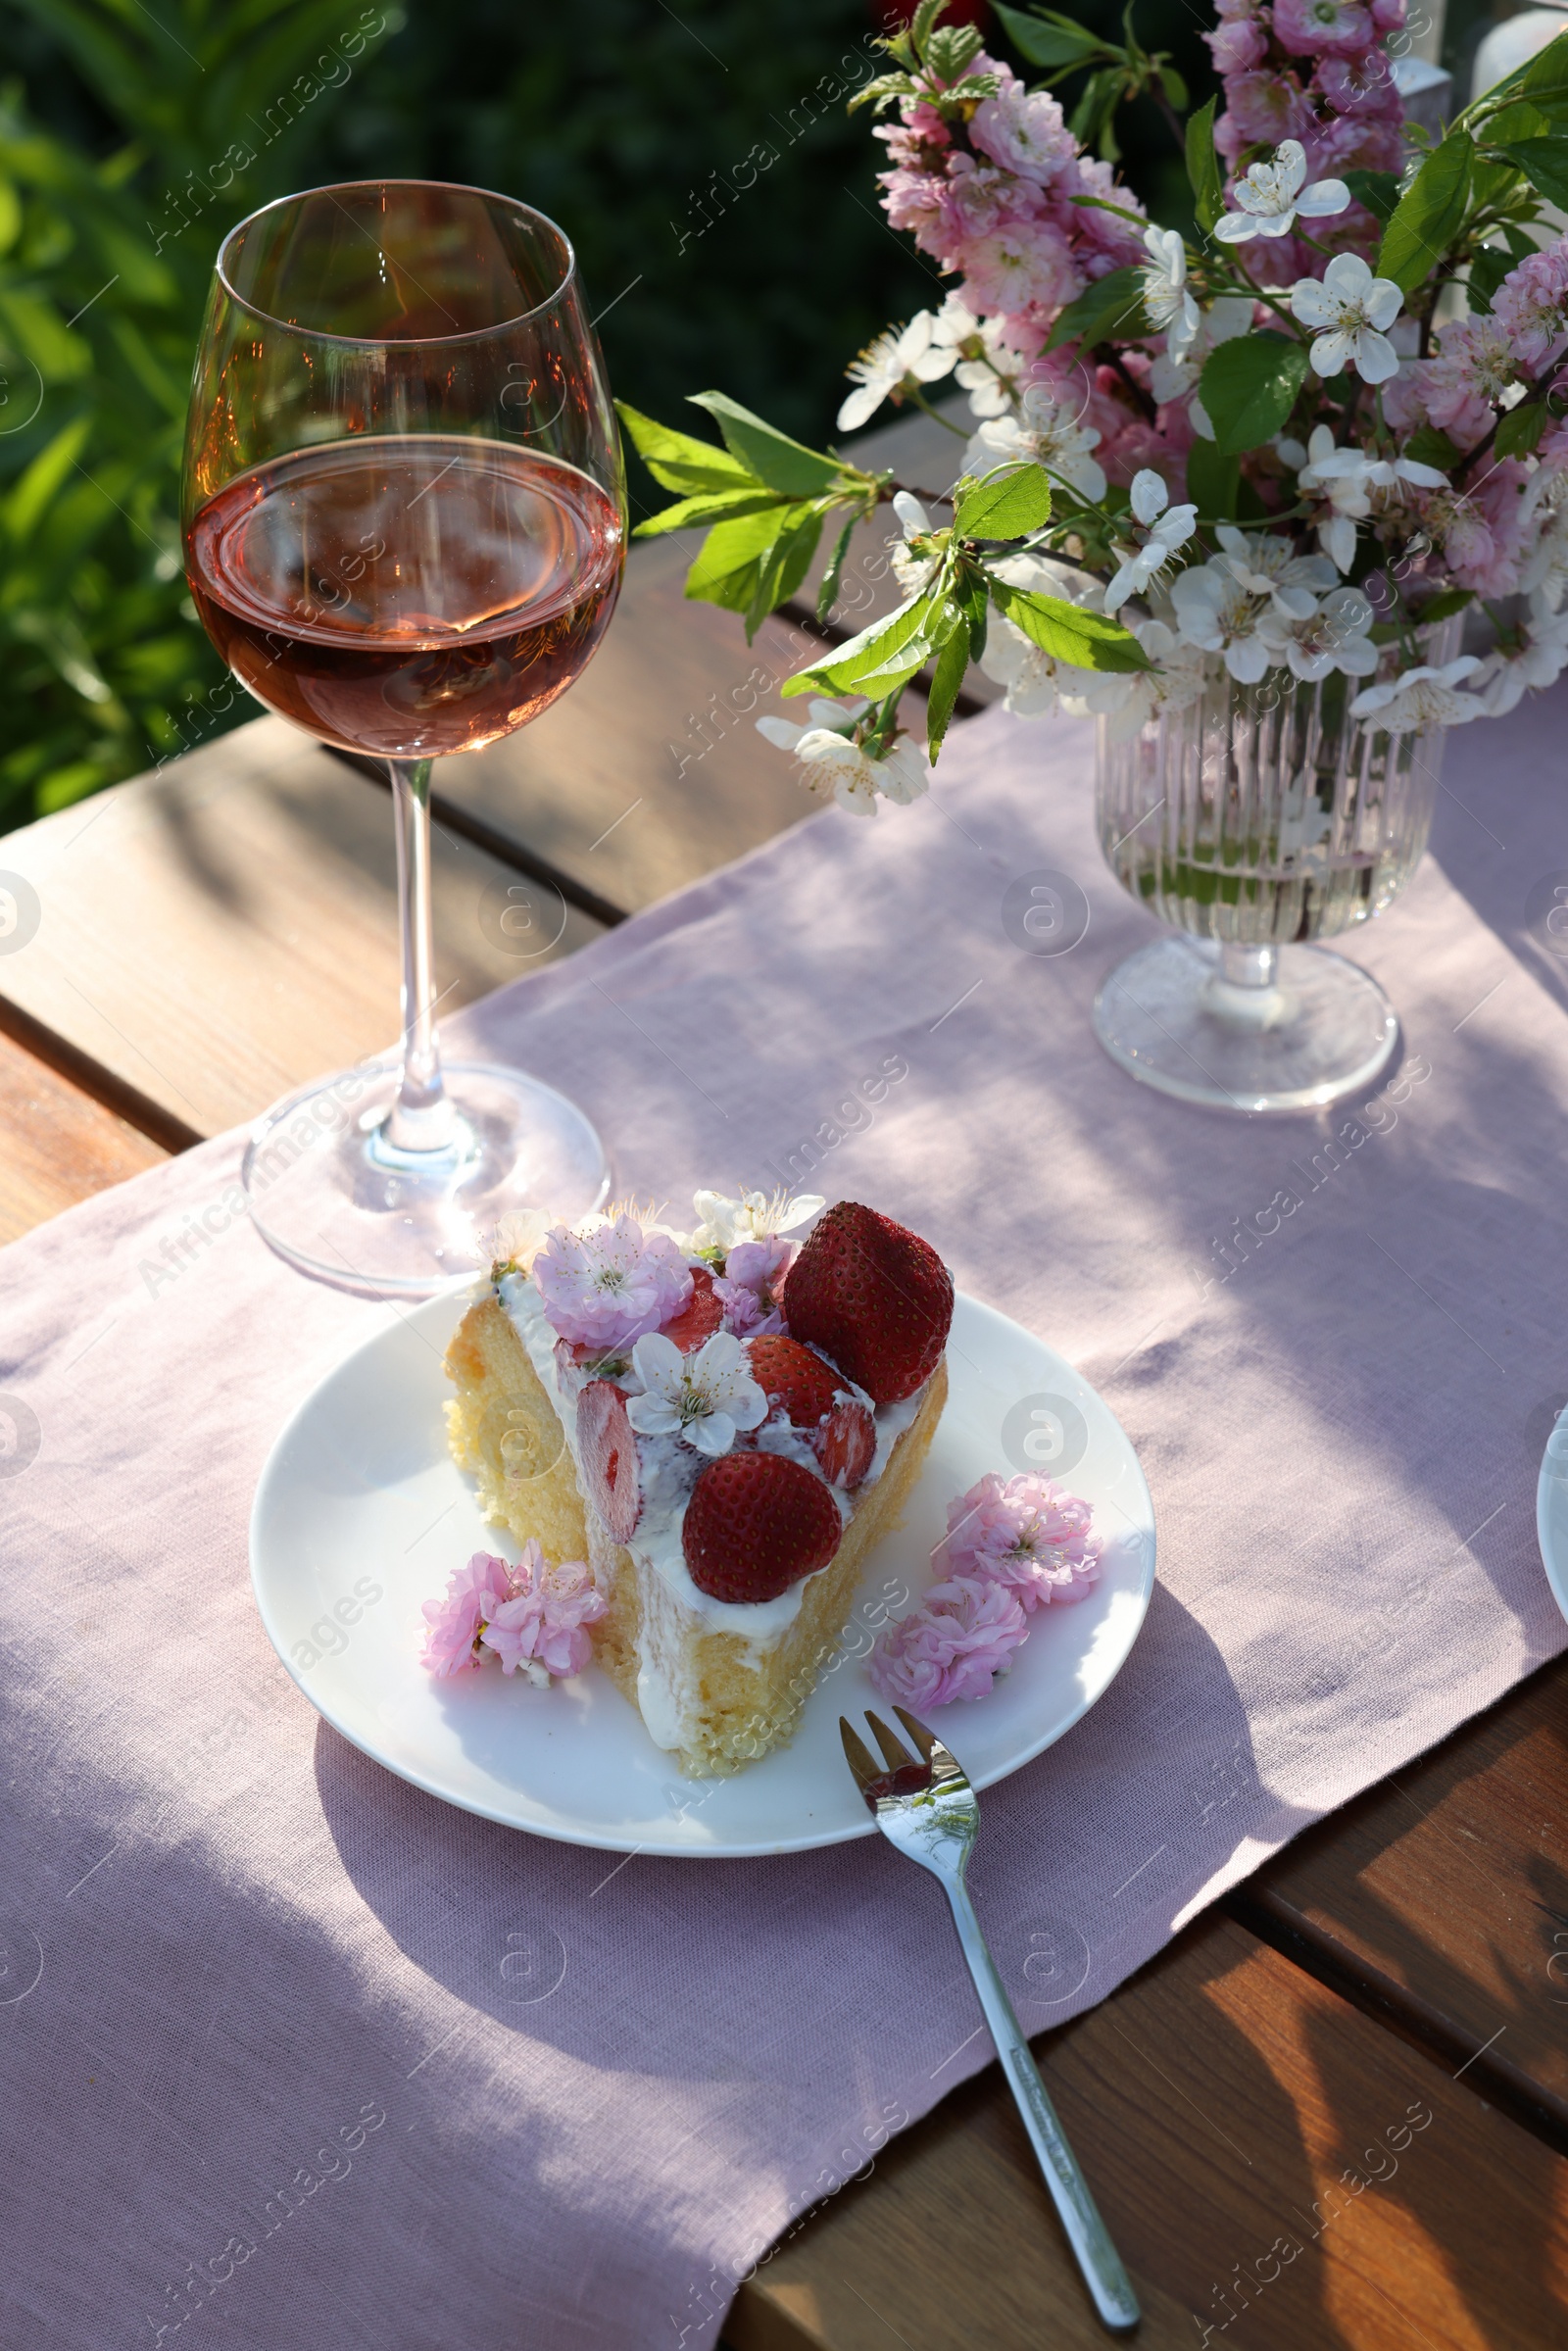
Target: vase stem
x=1250, y=966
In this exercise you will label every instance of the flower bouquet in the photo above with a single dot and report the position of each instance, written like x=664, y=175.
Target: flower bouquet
x=1229, y=490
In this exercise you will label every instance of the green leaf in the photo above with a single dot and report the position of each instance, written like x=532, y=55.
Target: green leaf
x=753, y=558
x=1429, y=447
x=709, y=506
x=1545, y=164
x=1520, y=428
x=1112, y=304
x=783, y=569
x=1177, y=97
x=827, y=594
x=1545, y=77
x=1248, y=388
x=771, y=456
x=1051, y=42
x=677, y=461
x=1213, y=481
x=1377, y=191
x=1085, y=640
x=1203, y=167
x=1009, y=506
x=887, y=652
x=1429, y=215
x=971, y=593
x=1443, y=605
x=28, y=498
x=953, y=663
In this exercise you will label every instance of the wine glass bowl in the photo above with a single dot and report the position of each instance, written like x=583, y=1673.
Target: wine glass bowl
x=405, y=519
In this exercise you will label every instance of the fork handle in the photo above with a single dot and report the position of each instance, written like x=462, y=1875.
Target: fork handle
x=1097, y=2257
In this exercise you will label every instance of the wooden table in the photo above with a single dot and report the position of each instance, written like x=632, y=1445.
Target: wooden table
x=1389, y=1997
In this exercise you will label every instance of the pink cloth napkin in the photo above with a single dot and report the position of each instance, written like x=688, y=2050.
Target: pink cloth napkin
x=264, y=2069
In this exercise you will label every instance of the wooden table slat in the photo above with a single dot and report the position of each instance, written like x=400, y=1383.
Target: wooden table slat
x=61, y=1144
x=1217, y=2102
x=216, y=934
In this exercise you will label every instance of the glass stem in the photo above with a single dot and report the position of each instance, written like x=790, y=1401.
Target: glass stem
x=1250, y=966
x=421, y=1117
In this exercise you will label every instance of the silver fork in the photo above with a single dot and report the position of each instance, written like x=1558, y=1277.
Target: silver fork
x=926, y=1807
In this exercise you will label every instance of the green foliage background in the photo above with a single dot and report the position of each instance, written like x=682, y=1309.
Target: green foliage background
x=621, y=118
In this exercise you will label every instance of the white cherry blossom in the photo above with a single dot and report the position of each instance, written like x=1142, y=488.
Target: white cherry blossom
x=1535, y=659
x=1215, y=611
x=1044, y=430
x=1353, y=310
x=1332, y=636
x=837, y=769
x=1167, y=527
x=910, y=570
x=705, y=1397
x=1422, y=699
x=1168, y=304
x=1270, y=196
x=725, y=1223
x=893, y=358
x=987, y=368
x=1270, y=567
x=1127, y=700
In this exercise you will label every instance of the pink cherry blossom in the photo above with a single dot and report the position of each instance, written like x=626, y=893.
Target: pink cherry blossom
x=455, y=1621
x=1028, y=1534
x=1024, y=132
x=1305, y=27
x=1261, y=110
x=749, y=1287
x=543, y=1624
x=1531, y=305
x=916, y=202
x=1238, y=47
x=1357, y=85
x=1021, y=263
x=608, y=1287
x=952, y=1647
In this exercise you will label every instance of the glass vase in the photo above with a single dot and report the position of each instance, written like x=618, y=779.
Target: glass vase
x=1257, y=821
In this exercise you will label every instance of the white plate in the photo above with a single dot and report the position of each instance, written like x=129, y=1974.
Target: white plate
x=1551, y=1512
x=359, y=1497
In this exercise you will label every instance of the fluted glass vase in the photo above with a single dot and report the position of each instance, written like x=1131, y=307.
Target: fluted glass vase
x=1258, y=819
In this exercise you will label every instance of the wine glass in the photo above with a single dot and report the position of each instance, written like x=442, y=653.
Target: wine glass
x=404, y=521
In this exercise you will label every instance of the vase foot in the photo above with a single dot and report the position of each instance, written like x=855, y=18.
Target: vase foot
x=1320, y=1028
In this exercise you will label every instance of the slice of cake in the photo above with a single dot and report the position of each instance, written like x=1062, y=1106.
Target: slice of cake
x=723, y=1424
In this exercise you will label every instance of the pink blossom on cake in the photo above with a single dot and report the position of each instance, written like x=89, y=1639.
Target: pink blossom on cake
x=750, y=1284
x=543, y=1624
x=952, y=1647
x=607, y=1286
x=1027, y=1533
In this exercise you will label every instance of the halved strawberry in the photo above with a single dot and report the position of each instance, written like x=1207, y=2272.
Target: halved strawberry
x=874, y=1297
x=802, y=1389
x=702, y=1316
x=608, y=1451
x=756, y=1524
x=847, y=1443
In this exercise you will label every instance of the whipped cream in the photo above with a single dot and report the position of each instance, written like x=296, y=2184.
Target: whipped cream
x=669, y=1468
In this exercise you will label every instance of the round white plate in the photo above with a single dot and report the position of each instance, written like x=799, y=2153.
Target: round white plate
x=1551, y=1512
x=361, y=1515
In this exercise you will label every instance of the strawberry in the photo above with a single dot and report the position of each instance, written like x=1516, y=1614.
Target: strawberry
x=608, y=1451
x=702, y=1316
x=756, y=1524
x=807, y=1393
x=874, y=1297
x=847, y=1443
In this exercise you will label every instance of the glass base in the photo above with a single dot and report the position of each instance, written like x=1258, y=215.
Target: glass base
x=1287, y=1028
x=330, y=1192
